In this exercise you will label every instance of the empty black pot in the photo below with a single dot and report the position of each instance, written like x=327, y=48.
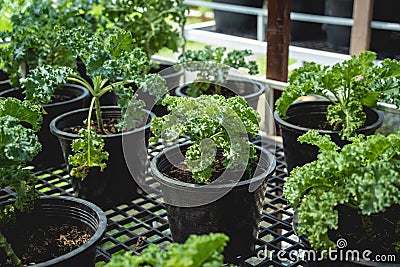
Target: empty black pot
x=304, y=116
x=231, y=208
x=62, y=210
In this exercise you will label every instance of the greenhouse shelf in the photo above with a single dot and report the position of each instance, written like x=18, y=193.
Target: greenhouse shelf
x=133, y=225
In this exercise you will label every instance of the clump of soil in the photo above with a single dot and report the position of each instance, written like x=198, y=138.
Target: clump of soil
x=39, y=244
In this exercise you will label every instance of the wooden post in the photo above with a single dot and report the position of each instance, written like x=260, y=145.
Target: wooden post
x=278, y=38
x=361, y=30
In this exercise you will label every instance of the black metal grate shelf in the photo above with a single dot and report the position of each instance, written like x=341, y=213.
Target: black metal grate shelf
x=133, y=225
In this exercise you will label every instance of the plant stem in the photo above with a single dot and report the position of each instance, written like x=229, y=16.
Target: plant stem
x=24, y=69
x=98, y=114
x=218, y=90
x=9, y=251
x=109, y=87
x=80, y=80
x=88, y=127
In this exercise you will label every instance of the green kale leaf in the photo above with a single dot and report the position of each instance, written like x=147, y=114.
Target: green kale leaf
x=348, y=85
x=197, y=251
x=210, y=121
x=364, y=175
x=88, y=153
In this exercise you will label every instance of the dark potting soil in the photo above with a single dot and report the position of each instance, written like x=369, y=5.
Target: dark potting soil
x=182, y=173
x=109, y=126
x=224, y=91
x=39, y=244
x=212, y=91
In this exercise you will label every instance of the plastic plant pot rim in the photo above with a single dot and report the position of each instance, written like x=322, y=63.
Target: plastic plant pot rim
x=85, y=94
x=301, y=129
x=56, y=131
x=168, y=181
x=4, y=81
x=178, y=90
x=98, y=234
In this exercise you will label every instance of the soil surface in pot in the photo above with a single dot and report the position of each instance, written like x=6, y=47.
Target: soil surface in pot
x=45, y=242
x=182, y=173
x=212, y=91
x=318, y=122
x=110, y=126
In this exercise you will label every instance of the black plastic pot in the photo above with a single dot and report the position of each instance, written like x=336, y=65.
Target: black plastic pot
x=350, y=221
x=63, y=210
x=4, y=81
x=115, y=184
x=236, y=210
x=304, y=116
x=299, y=30
x=230, y=22
x=50, y=155
x=250, y=91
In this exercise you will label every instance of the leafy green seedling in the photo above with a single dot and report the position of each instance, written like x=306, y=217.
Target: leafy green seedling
x=112, y=62
x=211, y=122
x=150, y=22
x=18, y=145
x=212, y=65
x=197, y=251
x=39, y=35
x=348, y=85
x=364, y=175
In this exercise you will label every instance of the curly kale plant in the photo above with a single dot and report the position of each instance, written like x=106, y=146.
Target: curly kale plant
x=348, y=85
x=111, y=62
x=364, y=175
x=211, y=122
x=149, y=22
x=212, y=65
x=18, y=145
x=7, y=8
x=197, y=251
x=39, y=36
